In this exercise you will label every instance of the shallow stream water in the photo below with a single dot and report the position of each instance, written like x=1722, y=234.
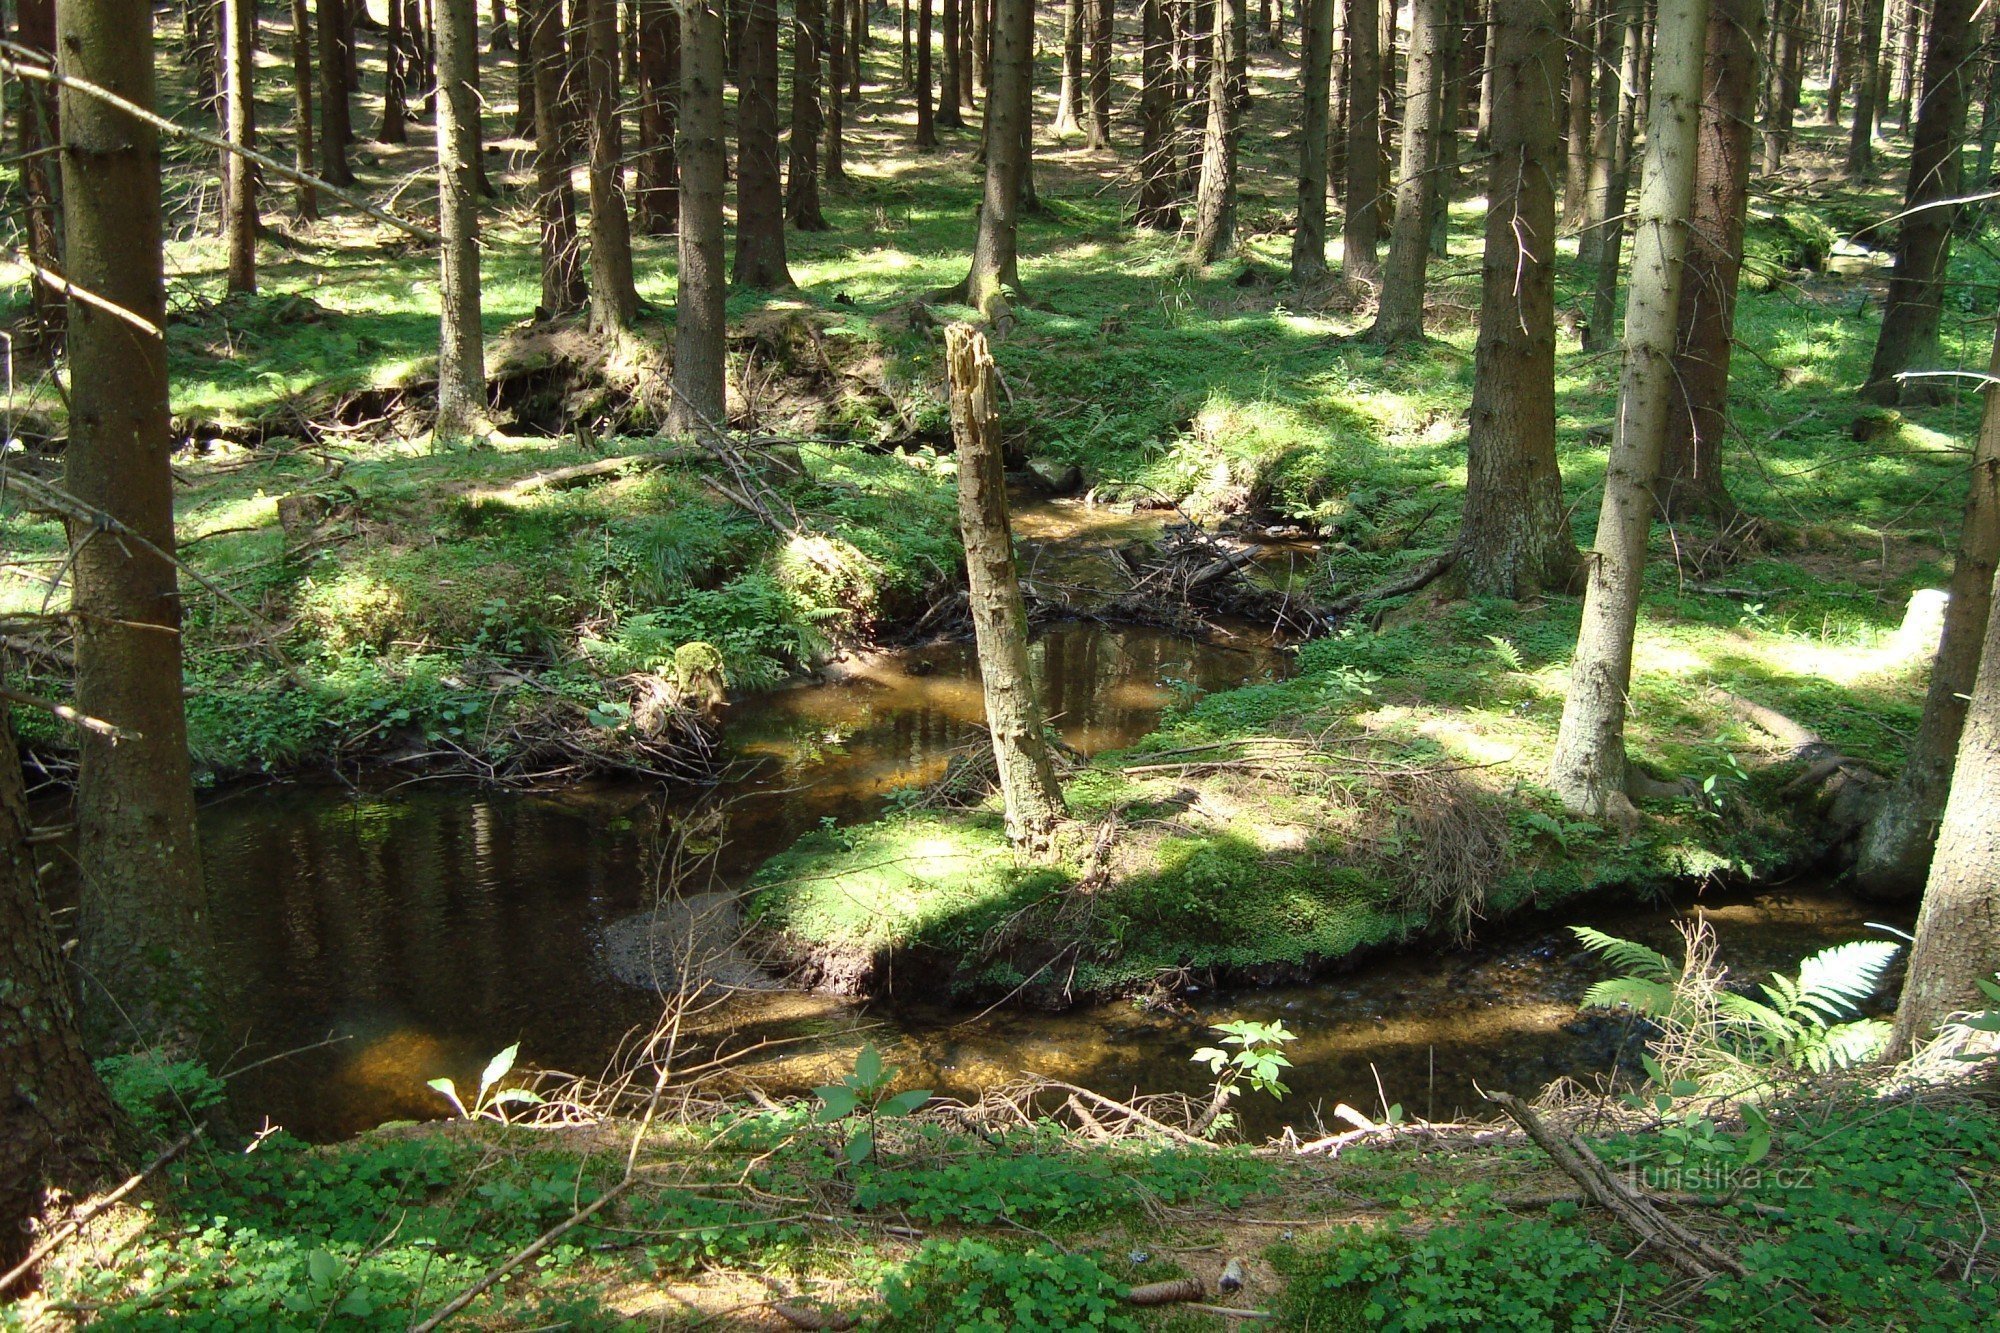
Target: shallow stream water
x=419, y=929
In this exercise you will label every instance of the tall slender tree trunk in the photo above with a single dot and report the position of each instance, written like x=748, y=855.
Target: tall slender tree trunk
x=1033, y=801
x=1361, y=224
x=555, y=196
x=1910, y=31
x=1400, y=314
x=760, y=195
x=39, y=129
x=995, y=251
x=926, y=113
x=1578, y=105
x=57, y=1127
x=1197, y=50
x=1099, y=76
x=335, y=133
x=461, y=342
x=699, y=400
x=1840, y=60
x=1069, y=94
x=1788, y=42
x=1910, y=319
x=614, y=298
x=1590, y=772
x=1609, y=236
x=1159, y=166
x=657, y=198
x=1315, y=72
x=1867, y=91
x=1336, y=129
x=394, y=112
x=302, y=109
x=1896, y=847
x=1215, y=197
x=949, y=114
x=802, y=168
x=857, y=50
x=1516, y=538
x=141, y=916
x=1690, y=480
x=1958, y=930
x=239, y=174
x=837, y=58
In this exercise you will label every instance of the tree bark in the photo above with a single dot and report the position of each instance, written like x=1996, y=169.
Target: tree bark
x=1034, y=803
x=699, y=330
x=760, y=195
x=1159, y=165
x=57, y=1126
x=1601, y=329
x=614, y=297
x=38, y=128
x=239, y=174
x=1576, y=176
x=1867, y=91
x=1896, y=847
x=1590, y=772
x=949, y=113
x=1361, y=224
x=141, y=917
x=1910, y=319
x=1787, y=69
x=334, y=125
x=1099, y=77
x=1215, y=197
x=1315, y=71
x=657, y=176
x=837, y=57
x=1400, y=313
x=1516, y=538
x=1690, y=478
x=555, y=196
x=1069, y=92
x=802, y=168
x=461, y=341
x=857, y=49
x=1840, y=60
x=995, y=251
x=926, y=111
x=394, y=112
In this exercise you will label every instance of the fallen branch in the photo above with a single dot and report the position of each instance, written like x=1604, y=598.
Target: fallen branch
x=78, y=1219
x=70, y=715
x=808, y=1316
x=558, y=477
x=1176, y=1291
x=1421, y=575
x=1681, y=1247
x=548, y=1238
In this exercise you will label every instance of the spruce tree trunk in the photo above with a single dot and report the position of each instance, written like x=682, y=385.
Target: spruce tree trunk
x=394, y=112
x=555, y=196
x=1361, y=224
x=857, y=49
x=1896, y=847
x=141, y=911
x=1516, y=537
x=1607, y=32
x=760, y=195
x=995, y=251
x=966, y=59
x=239, y=174
x=302, y=110
x=1070, y=90
x=1336, y=102
x=461, y=343
x=1400, y=313
x=1215, y=197
x=1867, y=91
x=39, y=127
x=699, y=401
x=1578, y=106
x=1840, y=60
x=1690, y=479
x=1197, y=42
x=926, y=114
x=1034, y=803
x=1099, y=79
x=837, y=57
x=334, y=126
x=1910, y=27
x=57, y=1127
x=1590, y=772
x=1159, y=165
x=1601, y=329
x=1958, y=930
x=802, y=168
x=656, y=200
x=614, y=298
x=1316, y=69
x=1910, y=319
x=1787, y=70
x=949, y=115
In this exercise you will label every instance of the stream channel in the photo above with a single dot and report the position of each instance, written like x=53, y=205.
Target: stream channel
x=425, y=926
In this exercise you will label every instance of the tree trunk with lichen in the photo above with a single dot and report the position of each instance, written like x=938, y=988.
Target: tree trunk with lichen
x=1590, y=772
x=1034, y=803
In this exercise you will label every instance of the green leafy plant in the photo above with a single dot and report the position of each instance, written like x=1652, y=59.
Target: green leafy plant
x=974, y=1287
x=1255, y=1063
x=863, y=1098
x=1984, y=1020
x=492, y=1101
x=160, y=1097
x=1711, y=1034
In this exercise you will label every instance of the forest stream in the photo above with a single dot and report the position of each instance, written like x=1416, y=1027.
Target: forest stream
x=411, y=929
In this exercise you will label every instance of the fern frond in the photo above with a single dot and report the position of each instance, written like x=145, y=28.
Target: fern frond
x=1834, y=980
x=1654, y=999
x=1628, y=956
x=1845, y=1045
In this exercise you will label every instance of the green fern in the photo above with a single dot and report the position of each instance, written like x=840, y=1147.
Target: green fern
x=1629, y=956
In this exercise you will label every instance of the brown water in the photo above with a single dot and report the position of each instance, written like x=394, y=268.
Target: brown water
x=425, y=927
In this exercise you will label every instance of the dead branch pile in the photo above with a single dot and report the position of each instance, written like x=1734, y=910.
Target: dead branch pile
x=1191, y=572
